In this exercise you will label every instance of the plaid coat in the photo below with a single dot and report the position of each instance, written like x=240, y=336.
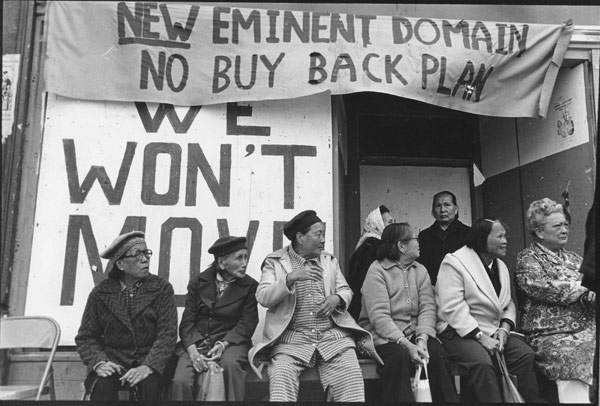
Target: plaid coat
x=107, y=333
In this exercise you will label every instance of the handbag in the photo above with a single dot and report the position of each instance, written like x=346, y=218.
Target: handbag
x=211, y=385
x=508, y=389
x=420, y=387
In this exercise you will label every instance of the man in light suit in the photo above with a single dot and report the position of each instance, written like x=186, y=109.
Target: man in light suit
x=307, y=322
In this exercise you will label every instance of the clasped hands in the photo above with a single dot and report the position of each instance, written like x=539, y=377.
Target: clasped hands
x=200, y=361
x=496, y=342
x=132, y=377
x=418, y=352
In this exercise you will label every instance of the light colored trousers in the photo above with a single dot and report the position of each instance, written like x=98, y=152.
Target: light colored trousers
x=341, y=374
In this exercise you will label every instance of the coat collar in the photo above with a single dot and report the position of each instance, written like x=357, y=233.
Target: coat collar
x=207, y=289
x=388, y=264
x=454, y=225
x=283, y=255
x=474, y=267
x=110, y=293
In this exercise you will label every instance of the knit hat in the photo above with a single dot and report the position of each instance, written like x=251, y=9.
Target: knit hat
x=119, y=247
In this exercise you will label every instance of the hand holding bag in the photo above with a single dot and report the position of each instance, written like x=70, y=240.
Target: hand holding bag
x=508, y=389
x=420, y=387
x=211, y=385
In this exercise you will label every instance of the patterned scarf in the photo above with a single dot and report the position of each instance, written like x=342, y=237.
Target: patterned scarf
x=130, y=293
x=373, y=227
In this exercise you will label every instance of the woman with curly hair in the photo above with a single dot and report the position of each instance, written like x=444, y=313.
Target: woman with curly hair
x=558, y=315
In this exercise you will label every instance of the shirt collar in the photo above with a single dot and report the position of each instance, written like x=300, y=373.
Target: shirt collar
x=136, y=285
x=299, y=260
x=557, y=257
x=388, y=264
x=451, y=226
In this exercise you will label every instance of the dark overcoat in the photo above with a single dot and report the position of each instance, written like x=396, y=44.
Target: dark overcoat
x=107, y=333
x=232, y=318
x=434, y=244
x=360, y=261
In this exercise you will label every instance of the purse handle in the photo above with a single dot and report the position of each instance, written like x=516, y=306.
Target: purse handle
x=501, y=363
x=418, y=371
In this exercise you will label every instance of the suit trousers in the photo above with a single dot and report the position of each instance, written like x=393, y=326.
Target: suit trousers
x=483, y=375
x=398, y=368
x=150, y=389
x=233, y=362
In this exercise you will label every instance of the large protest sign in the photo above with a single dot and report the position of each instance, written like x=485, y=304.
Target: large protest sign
x=193, y=54
x=184, y=175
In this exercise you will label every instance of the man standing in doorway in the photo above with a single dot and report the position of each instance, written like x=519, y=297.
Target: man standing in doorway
x=446, y=234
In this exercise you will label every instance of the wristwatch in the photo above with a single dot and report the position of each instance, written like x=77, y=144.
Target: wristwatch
x=479, y=335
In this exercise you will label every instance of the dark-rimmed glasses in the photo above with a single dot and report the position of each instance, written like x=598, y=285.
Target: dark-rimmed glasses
x=411, y=238
x=139, y=255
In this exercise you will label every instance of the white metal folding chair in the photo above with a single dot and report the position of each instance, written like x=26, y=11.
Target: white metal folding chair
x=30, y=332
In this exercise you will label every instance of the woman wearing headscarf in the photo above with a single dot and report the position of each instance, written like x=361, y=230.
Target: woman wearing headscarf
x=557, y=312
x=476, y=314
x=365, y=253
x=399, y=312
x=128, y=329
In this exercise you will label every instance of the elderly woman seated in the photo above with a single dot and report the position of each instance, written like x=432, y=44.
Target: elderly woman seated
x=219, y=319
x=476, y=314
x=558, y=314
x=129, y=326
x=399, y=311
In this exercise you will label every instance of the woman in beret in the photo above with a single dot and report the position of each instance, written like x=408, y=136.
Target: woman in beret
x=306, y=323
x=557, y=313
x=128, y=330
x=399, y=311
x=218, y=322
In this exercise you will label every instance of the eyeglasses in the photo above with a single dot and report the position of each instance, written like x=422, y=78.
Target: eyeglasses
x=412, y=238
x=140, y=255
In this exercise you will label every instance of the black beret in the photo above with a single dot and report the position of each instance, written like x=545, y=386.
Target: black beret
x=299, y=223
x=227, y=245
x=121, y=244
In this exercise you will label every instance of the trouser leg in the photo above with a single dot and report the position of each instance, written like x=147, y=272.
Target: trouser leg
x=233, y=361
x=481, y=371
x=395, y=373
x=520, y=360
x=440, y=380
x=284, y=372
x=150, y=389
x=182, y=386
x=343, y=376
x=103, y=388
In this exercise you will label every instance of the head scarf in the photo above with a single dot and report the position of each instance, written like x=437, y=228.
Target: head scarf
x=373, y=226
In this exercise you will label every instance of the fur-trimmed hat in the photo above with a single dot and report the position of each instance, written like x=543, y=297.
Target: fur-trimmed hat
x=300, y=222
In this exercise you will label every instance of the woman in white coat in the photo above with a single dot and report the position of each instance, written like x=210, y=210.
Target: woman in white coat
x=476, y=314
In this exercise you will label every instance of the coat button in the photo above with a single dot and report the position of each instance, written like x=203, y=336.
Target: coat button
x=408, y=300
